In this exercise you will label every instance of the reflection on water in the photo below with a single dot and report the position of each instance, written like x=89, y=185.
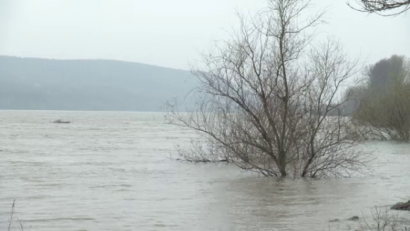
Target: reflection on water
x=112, y=171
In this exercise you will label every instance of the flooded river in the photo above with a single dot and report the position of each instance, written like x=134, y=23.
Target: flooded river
x=113, y=171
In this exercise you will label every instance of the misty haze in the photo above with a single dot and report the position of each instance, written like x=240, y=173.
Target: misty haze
x=205, y=115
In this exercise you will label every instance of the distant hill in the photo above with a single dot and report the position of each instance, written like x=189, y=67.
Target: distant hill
x=43, y=84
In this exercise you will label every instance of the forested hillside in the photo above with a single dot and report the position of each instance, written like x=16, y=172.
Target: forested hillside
x=42, y=84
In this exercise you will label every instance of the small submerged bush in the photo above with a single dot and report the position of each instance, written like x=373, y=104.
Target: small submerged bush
x=381, y=220
x=14, y=219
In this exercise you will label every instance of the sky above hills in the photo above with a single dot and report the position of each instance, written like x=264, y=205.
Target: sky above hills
x=170, y=33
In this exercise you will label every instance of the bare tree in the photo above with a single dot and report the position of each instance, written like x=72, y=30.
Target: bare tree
x=383, y=6
x=267, y=95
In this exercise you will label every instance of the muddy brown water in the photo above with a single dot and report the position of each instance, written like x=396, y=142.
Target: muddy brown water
x=113, y=171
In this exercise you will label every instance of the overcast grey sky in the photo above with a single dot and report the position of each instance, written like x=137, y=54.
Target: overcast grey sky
x=168, y=33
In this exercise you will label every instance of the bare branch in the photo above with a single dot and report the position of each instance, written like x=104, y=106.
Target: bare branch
x=382, y=6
